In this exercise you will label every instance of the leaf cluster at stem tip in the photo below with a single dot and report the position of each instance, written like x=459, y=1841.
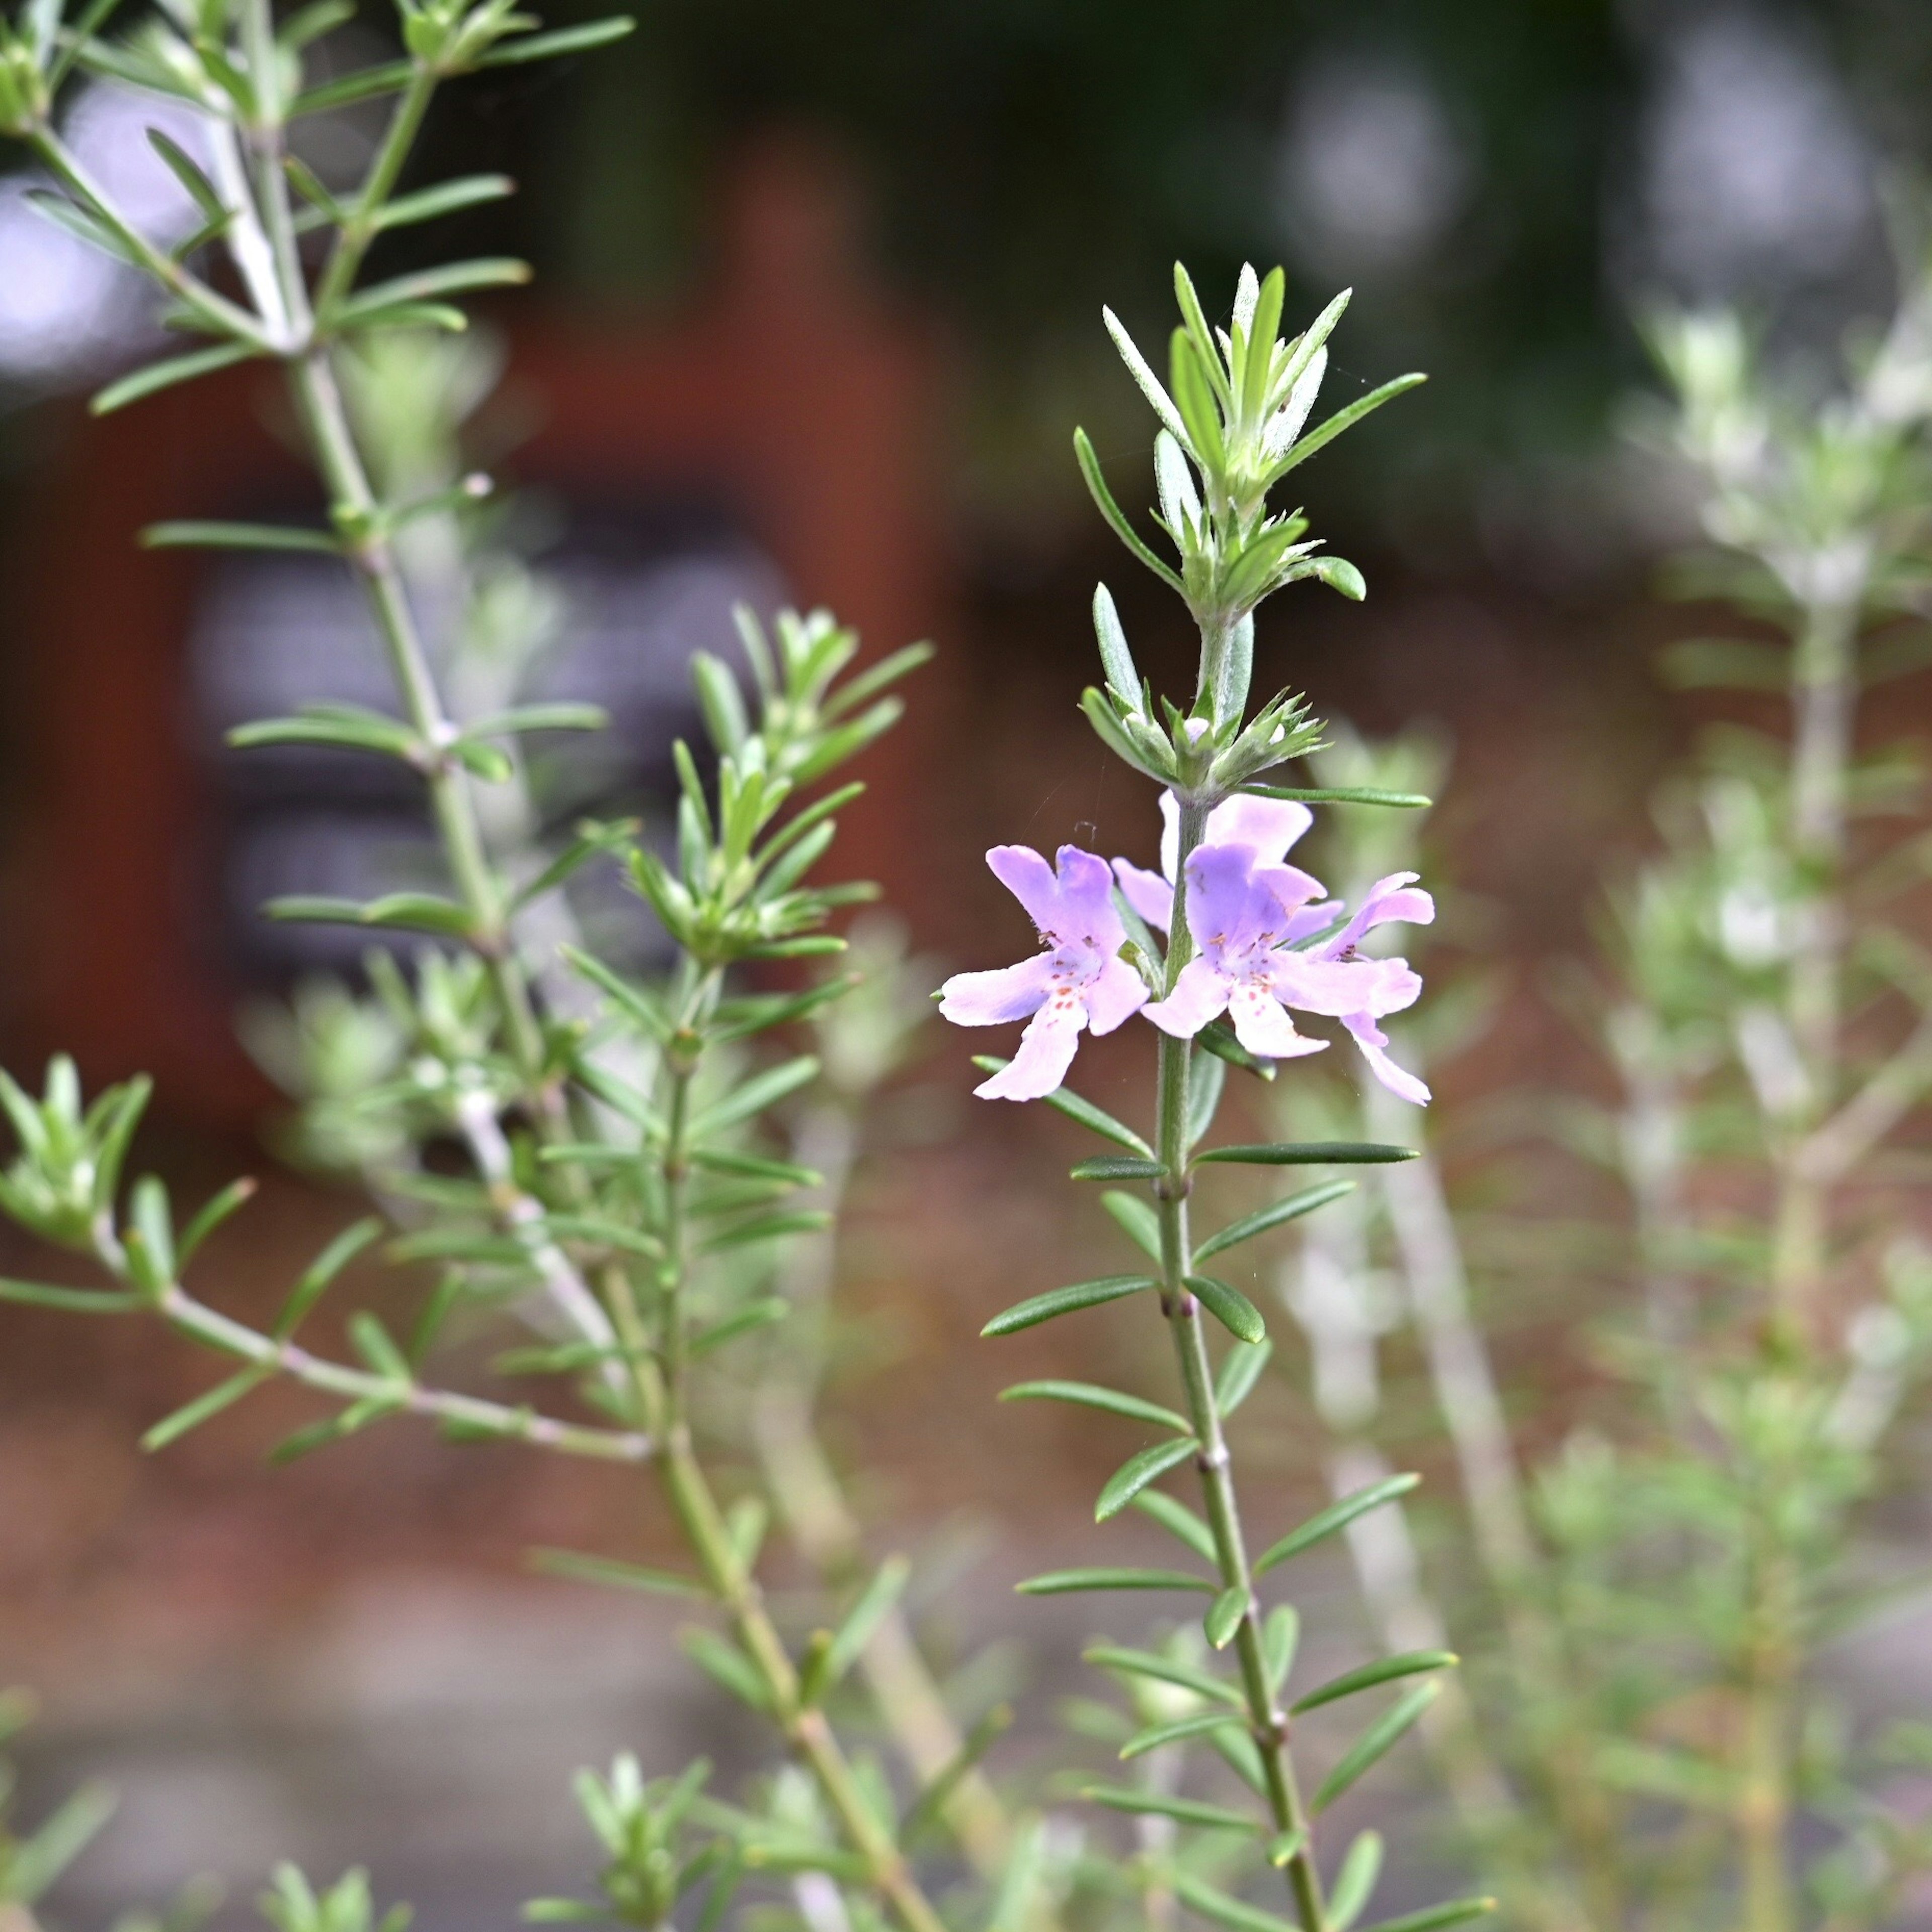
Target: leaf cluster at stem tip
x=1233, y=414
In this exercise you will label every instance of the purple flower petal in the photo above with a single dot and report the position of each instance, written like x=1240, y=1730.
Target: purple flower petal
x=1292, y=889
x=1170, y=835
x=1046, y=1052
x=990, y=999
x=1147, y=892
x=1114, y=995
x=1387, y=899
x=1262, y=1025
x=1312, y=918
x=1224, y=909
x=1372, y=1040
x=1338, y=987
x=1087, y=901
x=1270, y=825
x=1030, y=879
x=1200, y=995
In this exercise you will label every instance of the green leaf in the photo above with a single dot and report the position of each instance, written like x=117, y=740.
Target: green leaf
x=1434, y=1918
x=1224, y=1616
x=875, y=1603
x=187, y=171
x=352, y=728
x=635, y=1002
x=1355, y=1880
x=1065, y=1582
x=1134, y=1475
x=1339, y=574
x=754, y=1167
x=1199, y=333
x=1281, y=1635
x=1150, y=386
x=1084, y=1111
x=387, y=77
x=563, y=40
x=1165, y=1670
x=1217, y=1037
x=888, y=670
x=378, y=1349
x=1343, y=418
x=1408, y=1664
x=539, y=718
x=1239, y=1374
x=1108, y=729
x=1336, y=1516
x=34, y=1866
x=593, y=837
x=1309, y=1153
x=1287, y=1847
x=727, y=1666
x=236, y=536
x=1408, y=801
x=192, y=1415
x=930, y=1805
x=1188, y=1811
x=1375, y=1742
x=1115, y=1167
x=1213, y=1903
x=1090, y=1395
x=1116, y=658
x=1229, y=1306
x=1137, y=1219
x=415, y=912
x=761, y=1314
x=70, y=1300
x=81, y=222
x=1097, y=485
x=1281, y=1212
x=735, y=1019
x=493, y=272
x=1178, y=1520
x=1202, y=1722
x=467, y=191
x=769, y=1228
x=1203, y=1096
x=308, y=24
x=321, y=1273
x=1064, y=1301
x=762, y=1090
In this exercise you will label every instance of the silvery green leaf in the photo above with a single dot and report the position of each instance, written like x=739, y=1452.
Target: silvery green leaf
x=1117, y=660
x=1150, y=383
x=1247, y=294
x=1174, y=481
x=1286, y=425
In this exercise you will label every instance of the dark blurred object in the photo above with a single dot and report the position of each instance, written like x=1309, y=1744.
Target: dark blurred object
x=775, y=439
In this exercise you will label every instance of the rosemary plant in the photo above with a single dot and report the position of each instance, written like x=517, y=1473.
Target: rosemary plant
x=1654, y=1748
x=1215, y=950
x=610, y=1127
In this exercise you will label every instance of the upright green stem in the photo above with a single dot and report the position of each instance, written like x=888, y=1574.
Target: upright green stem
x=1824, y=699
x=659, y=1382
x=728, y=1577
x=1268, y=1722
x=353, y=237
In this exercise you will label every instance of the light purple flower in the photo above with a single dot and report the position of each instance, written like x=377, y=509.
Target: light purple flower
x=1243, y=911
x=1079, y=981
x=1268, y=826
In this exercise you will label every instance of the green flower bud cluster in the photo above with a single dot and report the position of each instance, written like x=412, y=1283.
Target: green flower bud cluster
x=64, y=1182
x=736, y=893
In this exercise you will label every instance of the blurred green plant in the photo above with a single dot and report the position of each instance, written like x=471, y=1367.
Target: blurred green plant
x=1651, y=1745
x=30, y=1861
